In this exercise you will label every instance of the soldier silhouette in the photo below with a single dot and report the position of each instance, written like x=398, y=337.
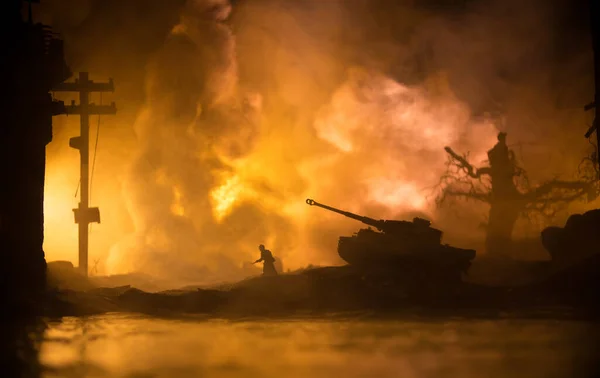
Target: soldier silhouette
x=505, y=208
x=502, y=159
x=268, y=261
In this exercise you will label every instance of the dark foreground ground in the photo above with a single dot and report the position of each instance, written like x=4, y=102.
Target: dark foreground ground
x=571, y=292
x=544, y=327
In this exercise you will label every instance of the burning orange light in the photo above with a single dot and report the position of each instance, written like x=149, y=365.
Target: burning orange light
x=176, y=207
x=60, y=231
x=226, y=196
x=397, y=194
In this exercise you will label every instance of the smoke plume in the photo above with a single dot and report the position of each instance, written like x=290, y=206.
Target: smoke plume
x=248, y=109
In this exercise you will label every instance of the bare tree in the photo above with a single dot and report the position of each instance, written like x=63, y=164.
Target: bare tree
x=504, y=185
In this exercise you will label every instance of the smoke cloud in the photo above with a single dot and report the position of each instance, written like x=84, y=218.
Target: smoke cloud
x=248, y=109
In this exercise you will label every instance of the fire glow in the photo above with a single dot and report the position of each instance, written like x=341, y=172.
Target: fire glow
x=226, y=197
x=371, y=141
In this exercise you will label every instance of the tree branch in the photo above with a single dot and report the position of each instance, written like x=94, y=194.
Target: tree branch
x=455, y=187
x=547, y=188
x=549, y=197
x=463, y=180
x=466, y=166
x=472, y=195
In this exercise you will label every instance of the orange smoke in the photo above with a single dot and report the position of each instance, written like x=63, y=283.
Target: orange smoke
x=211, y=180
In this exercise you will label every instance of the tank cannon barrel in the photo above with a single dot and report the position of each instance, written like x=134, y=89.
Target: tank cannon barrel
x=366, y=220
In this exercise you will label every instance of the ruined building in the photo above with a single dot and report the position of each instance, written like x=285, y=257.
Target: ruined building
x=32, y=64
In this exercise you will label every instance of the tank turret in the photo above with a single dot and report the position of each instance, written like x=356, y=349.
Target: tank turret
x=419, y=228
x=407, y=246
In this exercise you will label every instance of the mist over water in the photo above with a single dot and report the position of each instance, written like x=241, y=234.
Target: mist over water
x=129, y=345
x=230, y=116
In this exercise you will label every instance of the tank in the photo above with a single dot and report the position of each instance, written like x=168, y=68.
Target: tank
x=401, y=245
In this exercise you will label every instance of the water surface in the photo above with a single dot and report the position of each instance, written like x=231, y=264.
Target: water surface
x=127, y=345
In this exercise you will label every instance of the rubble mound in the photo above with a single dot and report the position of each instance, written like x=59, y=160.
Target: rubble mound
x=577, y=240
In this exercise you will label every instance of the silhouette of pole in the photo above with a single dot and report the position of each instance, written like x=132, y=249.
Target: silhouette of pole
x=84, y=215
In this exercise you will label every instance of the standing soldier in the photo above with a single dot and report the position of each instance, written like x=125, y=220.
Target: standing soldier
x=268, y=261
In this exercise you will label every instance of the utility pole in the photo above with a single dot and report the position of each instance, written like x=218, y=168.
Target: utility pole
x=84, y=215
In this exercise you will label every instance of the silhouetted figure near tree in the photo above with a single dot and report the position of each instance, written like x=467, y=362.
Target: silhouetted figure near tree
x=504, y=185
x=505, y=198
x=266, y=257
